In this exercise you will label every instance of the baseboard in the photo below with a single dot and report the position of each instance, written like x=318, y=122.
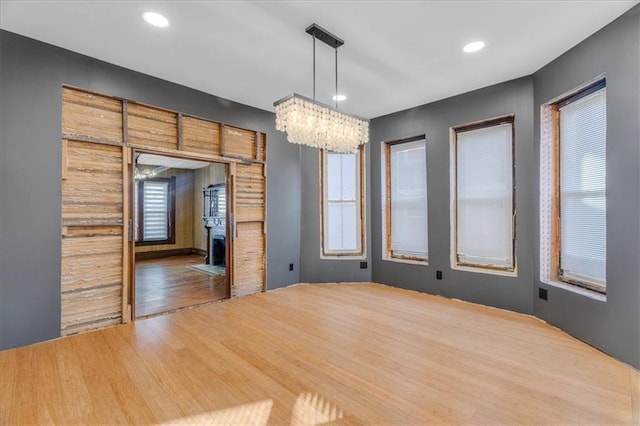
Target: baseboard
x=188, y=251
x=199, y=252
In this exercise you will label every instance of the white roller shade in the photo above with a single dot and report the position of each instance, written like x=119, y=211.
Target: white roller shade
x=484, y=196
x=583, y=203
x=156, y=211
x=409, y=234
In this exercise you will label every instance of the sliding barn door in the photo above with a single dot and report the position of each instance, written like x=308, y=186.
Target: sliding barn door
x=94, y=245
x=249, y=210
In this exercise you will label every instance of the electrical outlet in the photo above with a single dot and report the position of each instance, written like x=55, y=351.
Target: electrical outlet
x=542, y=293
x=438, y=275
x=363, y=265
x=291, y=266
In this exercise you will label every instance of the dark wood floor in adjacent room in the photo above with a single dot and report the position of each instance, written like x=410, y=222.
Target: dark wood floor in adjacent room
x=168, y=283
x=310, y=354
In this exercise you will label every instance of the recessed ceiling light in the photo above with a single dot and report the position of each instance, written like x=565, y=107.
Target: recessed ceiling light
x=339, y=98
x=155, y=19
x=474, y=46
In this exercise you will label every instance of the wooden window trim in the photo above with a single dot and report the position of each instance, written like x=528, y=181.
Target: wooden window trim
x=476, y=125
x=171, y=213
x=388, y=252
x=556, y=267
x=343, y=254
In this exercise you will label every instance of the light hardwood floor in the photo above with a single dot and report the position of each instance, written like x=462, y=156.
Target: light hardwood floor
x=168, y=283
x=352, y=353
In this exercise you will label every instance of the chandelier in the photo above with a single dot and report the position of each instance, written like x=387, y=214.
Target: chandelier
x=309, y=122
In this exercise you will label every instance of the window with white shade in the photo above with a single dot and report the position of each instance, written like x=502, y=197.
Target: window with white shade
x=342, y=204
x=155, y=214
x=405, y=197
x=573, y=198
x=582, y=187
x=482, y=190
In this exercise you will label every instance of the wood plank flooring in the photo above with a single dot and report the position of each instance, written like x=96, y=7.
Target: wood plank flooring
x=168, y=283
x=308, y=354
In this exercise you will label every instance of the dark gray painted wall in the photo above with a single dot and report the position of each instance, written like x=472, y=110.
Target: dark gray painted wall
x=434, y=120
x=31, y=77
x=312, y=268
x=614, y=325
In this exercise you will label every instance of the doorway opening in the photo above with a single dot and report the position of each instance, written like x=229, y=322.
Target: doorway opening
x=180, y=233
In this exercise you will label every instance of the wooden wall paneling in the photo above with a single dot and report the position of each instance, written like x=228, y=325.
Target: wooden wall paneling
x=127, y=229
x=92, y=190
x=151, y=127
x=249, y=259
x=179, y=118
x=93, y=240
x=239, y=143
x=261, y=147
x=97, y=282
x=89, y=116
x=90, y=309
x=91, y=258
x=200, y=136
x=231, y=243
x=250, y=192
x=250, y=229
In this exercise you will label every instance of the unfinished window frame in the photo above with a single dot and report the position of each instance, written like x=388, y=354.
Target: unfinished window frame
x=510, y=270
x=171, y=212
x=554, y=273
x=387, y=252
x=360, y=251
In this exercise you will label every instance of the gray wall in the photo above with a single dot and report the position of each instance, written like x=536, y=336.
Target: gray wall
x=434, y=120
x=312, y=268
x=31, y=77
x=612, y=326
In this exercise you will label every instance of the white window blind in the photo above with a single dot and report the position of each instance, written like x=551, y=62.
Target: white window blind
x=484, y=197
x=156, y=211
x=342, y=204
x=408, y=175
x=583, y=204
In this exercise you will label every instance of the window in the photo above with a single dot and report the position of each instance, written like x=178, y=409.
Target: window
x=482, y=191
x=155, y=218
x=405, y=200
x=342, y=189
x=573, y=202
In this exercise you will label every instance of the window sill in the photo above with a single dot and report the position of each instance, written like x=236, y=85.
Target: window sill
x=481, y=270
x=409, y=261
x=343, y=256
x=578, y=290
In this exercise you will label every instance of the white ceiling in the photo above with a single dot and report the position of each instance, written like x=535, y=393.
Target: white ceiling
x=397, y=54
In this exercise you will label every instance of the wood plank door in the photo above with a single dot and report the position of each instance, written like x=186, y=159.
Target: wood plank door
x=95, y=264
x=249, y=233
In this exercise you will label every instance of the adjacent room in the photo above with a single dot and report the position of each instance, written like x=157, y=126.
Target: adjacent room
x=306, y=212
x=180, y=233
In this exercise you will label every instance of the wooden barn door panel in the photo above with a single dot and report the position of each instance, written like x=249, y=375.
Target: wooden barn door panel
x=93, y=235
x=249, y=259
x=249, y=243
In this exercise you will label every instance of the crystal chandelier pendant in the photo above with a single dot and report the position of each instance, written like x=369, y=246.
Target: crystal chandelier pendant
x=311, y=123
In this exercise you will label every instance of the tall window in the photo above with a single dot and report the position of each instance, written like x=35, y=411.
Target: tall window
x=482, y=189
x=577, y=238
x=406, y=199
x=342, y=189
x=155, y=218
